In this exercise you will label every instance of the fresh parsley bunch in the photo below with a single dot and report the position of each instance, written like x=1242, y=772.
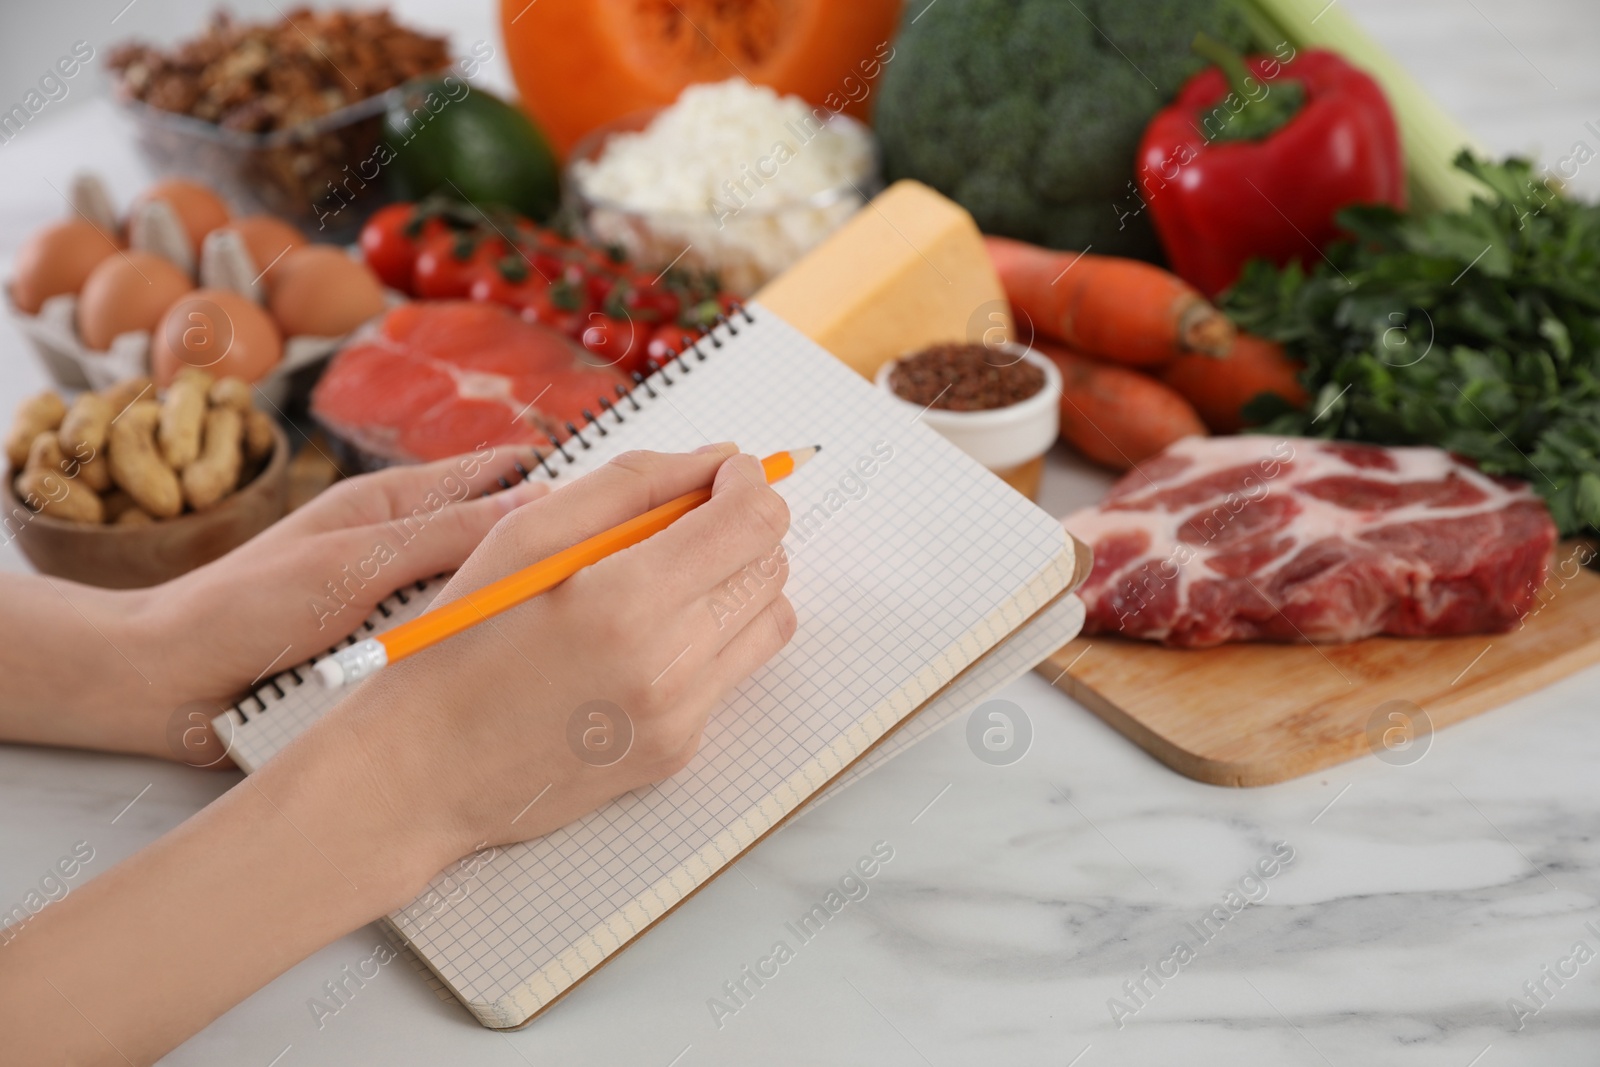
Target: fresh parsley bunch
x=1476, y=331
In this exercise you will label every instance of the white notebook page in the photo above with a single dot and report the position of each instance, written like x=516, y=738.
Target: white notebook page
x=1020, y=653
x=908, y=562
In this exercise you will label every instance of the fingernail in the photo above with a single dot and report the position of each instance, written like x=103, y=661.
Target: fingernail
x=723, y=448
x=520, y=494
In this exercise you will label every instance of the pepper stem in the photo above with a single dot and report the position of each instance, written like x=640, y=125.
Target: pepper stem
x=1260, y=113
x=1230, y=62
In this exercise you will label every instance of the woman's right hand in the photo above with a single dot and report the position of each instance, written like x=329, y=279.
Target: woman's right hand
x=596, y=688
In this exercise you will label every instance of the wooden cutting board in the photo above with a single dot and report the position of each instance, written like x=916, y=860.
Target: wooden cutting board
x=1253, y=714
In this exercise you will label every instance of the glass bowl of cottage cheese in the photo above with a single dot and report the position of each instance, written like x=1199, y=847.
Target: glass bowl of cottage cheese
x=732, y=179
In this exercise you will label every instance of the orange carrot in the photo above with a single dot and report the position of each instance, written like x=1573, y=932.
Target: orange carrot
x=1115, y=416
x=1119, y=310
x=1219, y=386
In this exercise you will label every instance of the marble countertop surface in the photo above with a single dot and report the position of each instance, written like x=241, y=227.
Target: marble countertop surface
x=1082, y=906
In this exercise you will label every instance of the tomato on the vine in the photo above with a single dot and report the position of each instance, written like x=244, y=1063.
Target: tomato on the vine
x=587, y=258
x=519, y=292
x=560, y=307
x=450, y=262
x=614, y=341
x=391, y=240
x=665, y=343
x=545, y=263
x=598, y=285
x=648, y=302
x=443, y=250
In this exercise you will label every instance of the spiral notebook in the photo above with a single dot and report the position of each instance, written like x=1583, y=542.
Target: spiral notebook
x=909, y=564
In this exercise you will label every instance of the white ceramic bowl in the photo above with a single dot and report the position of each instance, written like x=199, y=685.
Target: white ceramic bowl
x=1000, y=438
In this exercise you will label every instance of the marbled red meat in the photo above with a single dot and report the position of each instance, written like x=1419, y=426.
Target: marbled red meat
x=438, y=378
x=1254, y=538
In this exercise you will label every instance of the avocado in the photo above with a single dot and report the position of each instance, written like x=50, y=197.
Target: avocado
x=449, y=137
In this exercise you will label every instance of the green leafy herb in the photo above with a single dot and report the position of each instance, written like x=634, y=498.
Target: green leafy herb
x=1477, y=331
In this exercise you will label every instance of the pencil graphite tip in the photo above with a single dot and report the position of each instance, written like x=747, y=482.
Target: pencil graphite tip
x=802, y=456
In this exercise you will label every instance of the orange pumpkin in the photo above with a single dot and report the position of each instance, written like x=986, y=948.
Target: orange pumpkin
x=582, y=63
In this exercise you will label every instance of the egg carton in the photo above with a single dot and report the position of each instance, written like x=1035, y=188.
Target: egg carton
x=54, y=336
x=224, y=264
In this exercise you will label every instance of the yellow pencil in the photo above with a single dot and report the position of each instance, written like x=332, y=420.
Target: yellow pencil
x=365, y=657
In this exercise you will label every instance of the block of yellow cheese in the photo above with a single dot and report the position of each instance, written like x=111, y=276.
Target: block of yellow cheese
x=906, y=271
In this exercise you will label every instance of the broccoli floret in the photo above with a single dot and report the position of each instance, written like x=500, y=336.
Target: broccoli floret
x=1029, y=112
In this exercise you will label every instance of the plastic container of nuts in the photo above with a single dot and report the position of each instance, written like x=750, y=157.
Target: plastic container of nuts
x=302, y=174
x=283, y=117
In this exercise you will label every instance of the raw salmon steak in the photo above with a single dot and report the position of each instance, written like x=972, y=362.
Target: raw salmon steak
x=1254, y=538
x=438, y=378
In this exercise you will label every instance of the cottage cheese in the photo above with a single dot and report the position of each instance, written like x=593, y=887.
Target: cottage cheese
x=732, y=177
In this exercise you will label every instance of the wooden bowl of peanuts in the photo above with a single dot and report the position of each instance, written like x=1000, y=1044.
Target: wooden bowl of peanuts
x=121, y=489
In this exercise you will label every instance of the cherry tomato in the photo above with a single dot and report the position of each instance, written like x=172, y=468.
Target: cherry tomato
x=559, y=307
x=665, y=343
x=599, y=286
x=449, y=263
x=649, y=302
x=540, y=246
x=546, y=264
x=587, y=258
x=529, y=233
x=389, y=249
x=495, y=287
x=614, y=341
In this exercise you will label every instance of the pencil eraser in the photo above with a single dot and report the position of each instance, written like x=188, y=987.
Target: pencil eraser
x=330, y=672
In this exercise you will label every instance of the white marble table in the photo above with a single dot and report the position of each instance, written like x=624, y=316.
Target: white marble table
x=1017, y=906
x=1023, y=902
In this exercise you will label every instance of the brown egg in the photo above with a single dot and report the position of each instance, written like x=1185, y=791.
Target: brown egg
x=197, y=207
x=218, y=331
x=323, y=292
x=126, y=293
x=267, y=239
x=57, y=259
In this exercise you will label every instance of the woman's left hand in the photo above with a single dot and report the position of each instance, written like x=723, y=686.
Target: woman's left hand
x=185, y=650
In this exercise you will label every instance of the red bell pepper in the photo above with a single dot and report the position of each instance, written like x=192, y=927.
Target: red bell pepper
x=1255, y=158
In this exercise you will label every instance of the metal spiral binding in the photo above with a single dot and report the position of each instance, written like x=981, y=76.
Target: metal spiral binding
x=658, y=375
x=275, y=683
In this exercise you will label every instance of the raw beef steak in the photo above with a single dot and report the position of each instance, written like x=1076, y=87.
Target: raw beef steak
x=1254, y=538
x=439, y=378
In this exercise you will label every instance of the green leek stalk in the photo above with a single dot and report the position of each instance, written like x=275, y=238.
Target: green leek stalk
x=1430, y=136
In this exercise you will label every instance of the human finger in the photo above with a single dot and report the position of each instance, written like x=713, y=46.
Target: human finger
x=627, y=486
x=743, y=522
x=397, y=493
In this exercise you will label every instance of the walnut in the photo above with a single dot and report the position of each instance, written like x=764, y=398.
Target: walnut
x=267, y=76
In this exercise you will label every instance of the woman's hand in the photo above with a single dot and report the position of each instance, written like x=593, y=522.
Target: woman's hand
x=312, y=579
x=463, y=744
x=145, y=670
x=598, y=687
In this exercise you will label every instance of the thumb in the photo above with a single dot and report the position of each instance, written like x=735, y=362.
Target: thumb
x=739, y=471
